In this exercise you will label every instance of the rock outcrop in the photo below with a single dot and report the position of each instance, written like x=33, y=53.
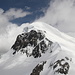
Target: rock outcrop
x=33, y=43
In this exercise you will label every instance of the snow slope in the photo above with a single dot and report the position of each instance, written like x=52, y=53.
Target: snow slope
x=61, y=61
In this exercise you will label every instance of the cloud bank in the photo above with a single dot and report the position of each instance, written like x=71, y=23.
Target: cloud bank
x=7, y=16
x=61, y=14
x=8, y=30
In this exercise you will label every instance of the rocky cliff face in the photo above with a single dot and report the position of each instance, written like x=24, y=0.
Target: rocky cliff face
x=33, y=43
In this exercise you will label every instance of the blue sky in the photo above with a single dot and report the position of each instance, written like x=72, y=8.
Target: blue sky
x=33, y=6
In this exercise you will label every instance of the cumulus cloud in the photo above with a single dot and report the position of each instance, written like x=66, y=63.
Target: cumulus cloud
x=7, y=16
x=61, y=14
x=15, y=13
x=8, y=30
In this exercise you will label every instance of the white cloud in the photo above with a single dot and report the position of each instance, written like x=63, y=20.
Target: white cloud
x=61, y=14
x=26, y=7
x=8, y=30
x=8, y=39
x=10, y=14
x=15, y=13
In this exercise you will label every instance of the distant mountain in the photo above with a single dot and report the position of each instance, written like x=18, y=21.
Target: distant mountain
x=40, y=50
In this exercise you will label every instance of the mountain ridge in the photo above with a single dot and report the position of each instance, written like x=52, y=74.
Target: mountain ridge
x=56, y=59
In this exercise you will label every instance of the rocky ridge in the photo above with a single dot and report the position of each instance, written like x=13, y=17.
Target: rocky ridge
x=32, y=43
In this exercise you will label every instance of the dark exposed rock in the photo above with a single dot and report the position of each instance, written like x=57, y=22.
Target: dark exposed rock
x=40, y=36
x=36, y=52
x=35, y=39
x=67, y=58
x=38, y=69
x=43, y=46
x=60, y=67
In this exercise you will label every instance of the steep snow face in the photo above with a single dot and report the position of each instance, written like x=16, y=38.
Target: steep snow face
x=40, y=50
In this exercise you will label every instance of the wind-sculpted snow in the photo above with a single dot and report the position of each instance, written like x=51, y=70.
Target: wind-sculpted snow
x=40, y=50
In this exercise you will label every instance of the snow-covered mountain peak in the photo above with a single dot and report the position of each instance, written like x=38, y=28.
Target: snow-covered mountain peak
x=55, y=35
x=40, y=50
